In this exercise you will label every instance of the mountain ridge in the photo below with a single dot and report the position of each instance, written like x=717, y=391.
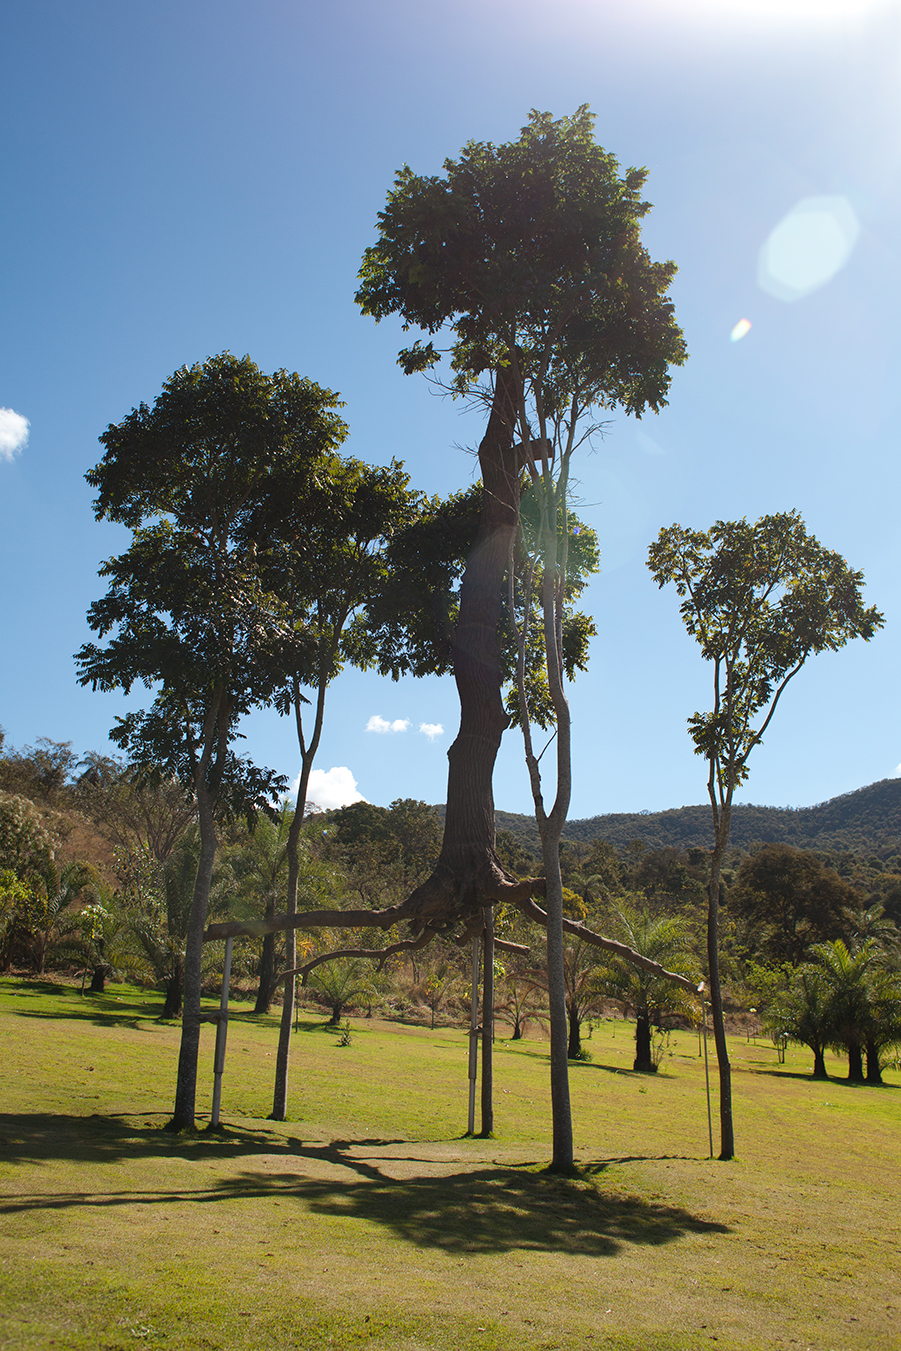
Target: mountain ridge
x=866, y=819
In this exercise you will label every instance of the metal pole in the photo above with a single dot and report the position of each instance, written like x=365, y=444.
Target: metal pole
x=221, y=1034
x=474, y=1038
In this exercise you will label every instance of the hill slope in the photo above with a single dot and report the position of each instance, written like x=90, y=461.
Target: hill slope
x=866, y=820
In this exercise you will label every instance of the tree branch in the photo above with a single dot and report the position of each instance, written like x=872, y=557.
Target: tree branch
x=534, y=912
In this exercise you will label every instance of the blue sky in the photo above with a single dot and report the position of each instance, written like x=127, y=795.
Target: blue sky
x=179, y=179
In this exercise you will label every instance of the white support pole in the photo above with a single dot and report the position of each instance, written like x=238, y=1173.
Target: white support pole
x=221, y=1035
x=474, y=1038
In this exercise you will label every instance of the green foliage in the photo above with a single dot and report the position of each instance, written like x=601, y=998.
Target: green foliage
x=789, y=900
x=759, y=599
x=199, y=477
x=533, y=245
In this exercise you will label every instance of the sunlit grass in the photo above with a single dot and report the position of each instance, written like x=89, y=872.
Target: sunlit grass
x=369, y=1220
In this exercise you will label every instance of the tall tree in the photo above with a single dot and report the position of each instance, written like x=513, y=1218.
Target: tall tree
x=529, y=256
x=223, y=452
x=759, y=599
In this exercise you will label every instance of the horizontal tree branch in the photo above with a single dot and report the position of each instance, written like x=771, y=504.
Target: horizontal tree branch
x=534, y=912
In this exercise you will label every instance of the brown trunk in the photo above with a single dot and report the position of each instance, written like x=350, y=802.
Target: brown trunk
x=468, y=872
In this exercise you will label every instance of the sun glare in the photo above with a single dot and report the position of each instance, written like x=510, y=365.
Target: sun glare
x=779, y=11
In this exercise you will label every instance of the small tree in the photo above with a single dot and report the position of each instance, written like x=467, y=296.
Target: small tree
x=803, y=1014
x=759, y=599
x=664, y=939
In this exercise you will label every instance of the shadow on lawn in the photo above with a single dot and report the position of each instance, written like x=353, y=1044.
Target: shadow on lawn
x=481, y=1209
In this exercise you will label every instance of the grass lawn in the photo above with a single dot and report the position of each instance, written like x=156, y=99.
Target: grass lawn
x=369, y=1221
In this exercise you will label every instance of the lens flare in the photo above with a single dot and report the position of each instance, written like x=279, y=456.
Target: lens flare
x=808, y=247
x=741, y=328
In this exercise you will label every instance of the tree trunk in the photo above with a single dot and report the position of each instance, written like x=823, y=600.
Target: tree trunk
x=874, y=1069
x=574, y=1044
x=819, y=1063
x=172, y=1006
x=468, y=872
x=283, y=1055
x=186, y=1086
x=855, y=1063
x=727, y=1138
x=98, y=980
x=488, y=1025
x=643, y=1059
x=266, y=987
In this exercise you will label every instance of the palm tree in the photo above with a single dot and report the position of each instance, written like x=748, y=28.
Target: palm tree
x=667, y=940
x=804, y=1013
x=846, y=975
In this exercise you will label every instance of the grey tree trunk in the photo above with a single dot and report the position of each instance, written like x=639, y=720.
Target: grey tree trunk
x=186, y=1086
x=488, y=1025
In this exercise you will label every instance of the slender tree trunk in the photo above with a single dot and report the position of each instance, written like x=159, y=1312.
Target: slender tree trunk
x=307, y=756
x=283, y=1054
x=819, y=1063
x=727, y=1137
x=186, y=1087
x=488, y=1025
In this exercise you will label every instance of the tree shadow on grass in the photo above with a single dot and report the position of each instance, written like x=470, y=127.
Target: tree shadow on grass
x=478, y=1210
x=40, y=1137
x=498, y=1209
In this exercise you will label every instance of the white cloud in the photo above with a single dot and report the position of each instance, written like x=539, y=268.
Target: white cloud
x=13, y=433
x=431, y=729
x=379, y=724
x=335, y=787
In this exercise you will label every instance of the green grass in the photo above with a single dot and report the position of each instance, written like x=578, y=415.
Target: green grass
x=370, y=1221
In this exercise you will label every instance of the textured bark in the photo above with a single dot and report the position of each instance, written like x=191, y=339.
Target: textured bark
x=468, y=873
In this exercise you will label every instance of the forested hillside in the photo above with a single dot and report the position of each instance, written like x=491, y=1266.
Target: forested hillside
x=867, y=820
